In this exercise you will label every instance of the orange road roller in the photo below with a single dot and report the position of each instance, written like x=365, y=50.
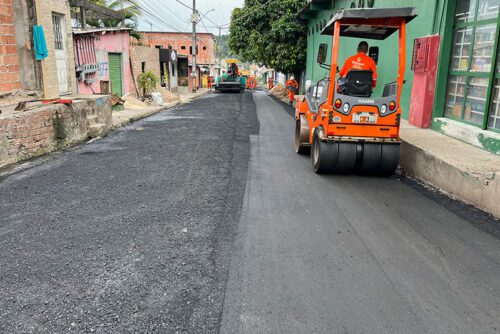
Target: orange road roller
x=345, y=128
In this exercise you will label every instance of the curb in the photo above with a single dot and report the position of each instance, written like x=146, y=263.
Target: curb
x=144, y=115
x=155, y=111
x=479, y=190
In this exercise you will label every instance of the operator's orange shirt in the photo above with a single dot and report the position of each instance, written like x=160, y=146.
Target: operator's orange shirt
x=360, y=61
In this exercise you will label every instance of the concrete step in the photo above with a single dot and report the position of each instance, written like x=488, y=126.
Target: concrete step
x=97, y=130
x=92, y=119
x=457, y=168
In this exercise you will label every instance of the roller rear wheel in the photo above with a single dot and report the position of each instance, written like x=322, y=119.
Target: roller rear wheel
x=346, y=161
x=323, y=156
x=390, y=159
x=371, y=158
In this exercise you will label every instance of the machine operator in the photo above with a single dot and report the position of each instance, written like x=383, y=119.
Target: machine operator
x=360, y=61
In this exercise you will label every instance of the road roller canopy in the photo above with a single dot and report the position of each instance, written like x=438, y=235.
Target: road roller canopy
x=378, y=23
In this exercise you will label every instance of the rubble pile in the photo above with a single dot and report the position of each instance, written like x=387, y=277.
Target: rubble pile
x=280, y=92
x=168, y=96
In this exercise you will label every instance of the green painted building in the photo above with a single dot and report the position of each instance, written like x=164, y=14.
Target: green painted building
x=467, y=94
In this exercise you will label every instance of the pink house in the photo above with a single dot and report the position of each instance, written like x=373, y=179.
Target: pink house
x=102, y=57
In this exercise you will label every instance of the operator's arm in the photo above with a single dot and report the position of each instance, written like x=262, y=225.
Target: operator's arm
x=345, y=68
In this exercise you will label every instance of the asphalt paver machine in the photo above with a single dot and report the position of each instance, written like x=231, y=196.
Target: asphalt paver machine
x=344, y=127
x=232, y=80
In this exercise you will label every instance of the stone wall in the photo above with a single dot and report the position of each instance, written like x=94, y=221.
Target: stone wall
x=31, y=133
x=9, y=64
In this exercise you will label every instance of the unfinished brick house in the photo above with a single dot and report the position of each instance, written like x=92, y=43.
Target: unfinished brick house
x=37, y=61
x=19, y=66
x=181, y=42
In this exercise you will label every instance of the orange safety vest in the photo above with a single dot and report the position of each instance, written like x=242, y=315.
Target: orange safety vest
x=360, y=61
x=292, y=83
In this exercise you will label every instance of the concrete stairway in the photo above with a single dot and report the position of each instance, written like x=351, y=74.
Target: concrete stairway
x=94, y=128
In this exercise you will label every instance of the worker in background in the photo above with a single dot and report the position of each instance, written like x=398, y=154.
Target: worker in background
x=209, y=82
x=270, y=83
x=293, y=87
x=360, y=61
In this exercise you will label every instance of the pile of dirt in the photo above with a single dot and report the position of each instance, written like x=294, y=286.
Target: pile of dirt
x=168, y=96
x=133, y=103
x=280, y=92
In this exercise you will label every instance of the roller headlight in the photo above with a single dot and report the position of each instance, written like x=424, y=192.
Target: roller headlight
x=346, y=108
x=383, y=110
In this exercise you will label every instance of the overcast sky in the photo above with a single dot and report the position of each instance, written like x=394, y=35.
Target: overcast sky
x=169, y=15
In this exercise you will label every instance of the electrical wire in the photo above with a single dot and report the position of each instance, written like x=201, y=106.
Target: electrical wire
x=250, y=12
x=165, y=10
x=150, y=14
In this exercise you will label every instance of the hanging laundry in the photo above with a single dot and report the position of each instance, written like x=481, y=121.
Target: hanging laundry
x=40, y=43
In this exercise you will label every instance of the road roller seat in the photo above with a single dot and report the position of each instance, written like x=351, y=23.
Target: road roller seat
x=357, y=83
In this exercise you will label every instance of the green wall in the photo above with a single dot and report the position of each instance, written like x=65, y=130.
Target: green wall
x=428, y=22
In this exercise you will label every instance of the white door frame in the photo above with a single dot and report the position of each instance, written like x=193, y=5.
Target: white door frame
x=61, y=51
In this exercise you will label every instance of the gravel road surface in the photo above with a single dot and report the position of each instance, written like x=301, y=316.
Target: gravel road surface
x=128, y=234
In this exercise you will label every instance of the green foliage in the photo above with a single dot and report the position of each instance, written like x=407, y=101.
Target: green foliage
x=129, y=8
x=225, y=52
x=270, y=35
x=147, y=81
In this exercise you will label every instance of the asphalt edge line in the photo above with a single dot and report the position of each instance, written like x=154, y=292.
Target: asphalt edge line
x=169, y=105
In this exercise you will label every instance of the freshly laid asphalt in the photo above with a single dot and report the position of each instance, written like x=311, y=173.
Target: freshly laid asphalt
x=202, y=219
x=351, y=254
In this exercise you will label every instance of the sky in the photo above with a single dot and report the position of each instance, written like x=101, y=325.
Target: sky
x=169, y=15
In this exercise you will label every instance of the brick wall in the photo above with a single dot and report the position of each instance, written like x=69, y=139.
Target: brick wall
x=9, y=63
x=179, y=40
x=38, y=131
x=151, y=58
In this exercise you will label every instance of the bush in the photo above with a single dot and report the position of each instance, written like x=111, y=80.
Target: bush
x=147, y=81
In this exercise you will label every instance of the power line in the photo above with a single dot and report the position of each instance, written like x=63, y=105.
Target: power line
x=182, y=3
x=157, y=18
x=250, y=12
x=170, y=14
x=149, y=11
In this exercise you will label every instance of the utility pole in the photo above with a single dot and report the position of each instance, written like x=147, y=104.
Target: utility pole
x=219, y=49
x=194, y=19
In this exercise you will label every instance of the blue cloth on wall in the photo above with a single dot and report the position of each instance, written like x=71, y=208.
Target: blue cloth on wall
x=40, y=43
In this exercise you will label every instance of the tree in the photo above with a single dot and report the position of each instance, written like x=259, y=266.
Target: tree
x=128, y=7
x=268, y=32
